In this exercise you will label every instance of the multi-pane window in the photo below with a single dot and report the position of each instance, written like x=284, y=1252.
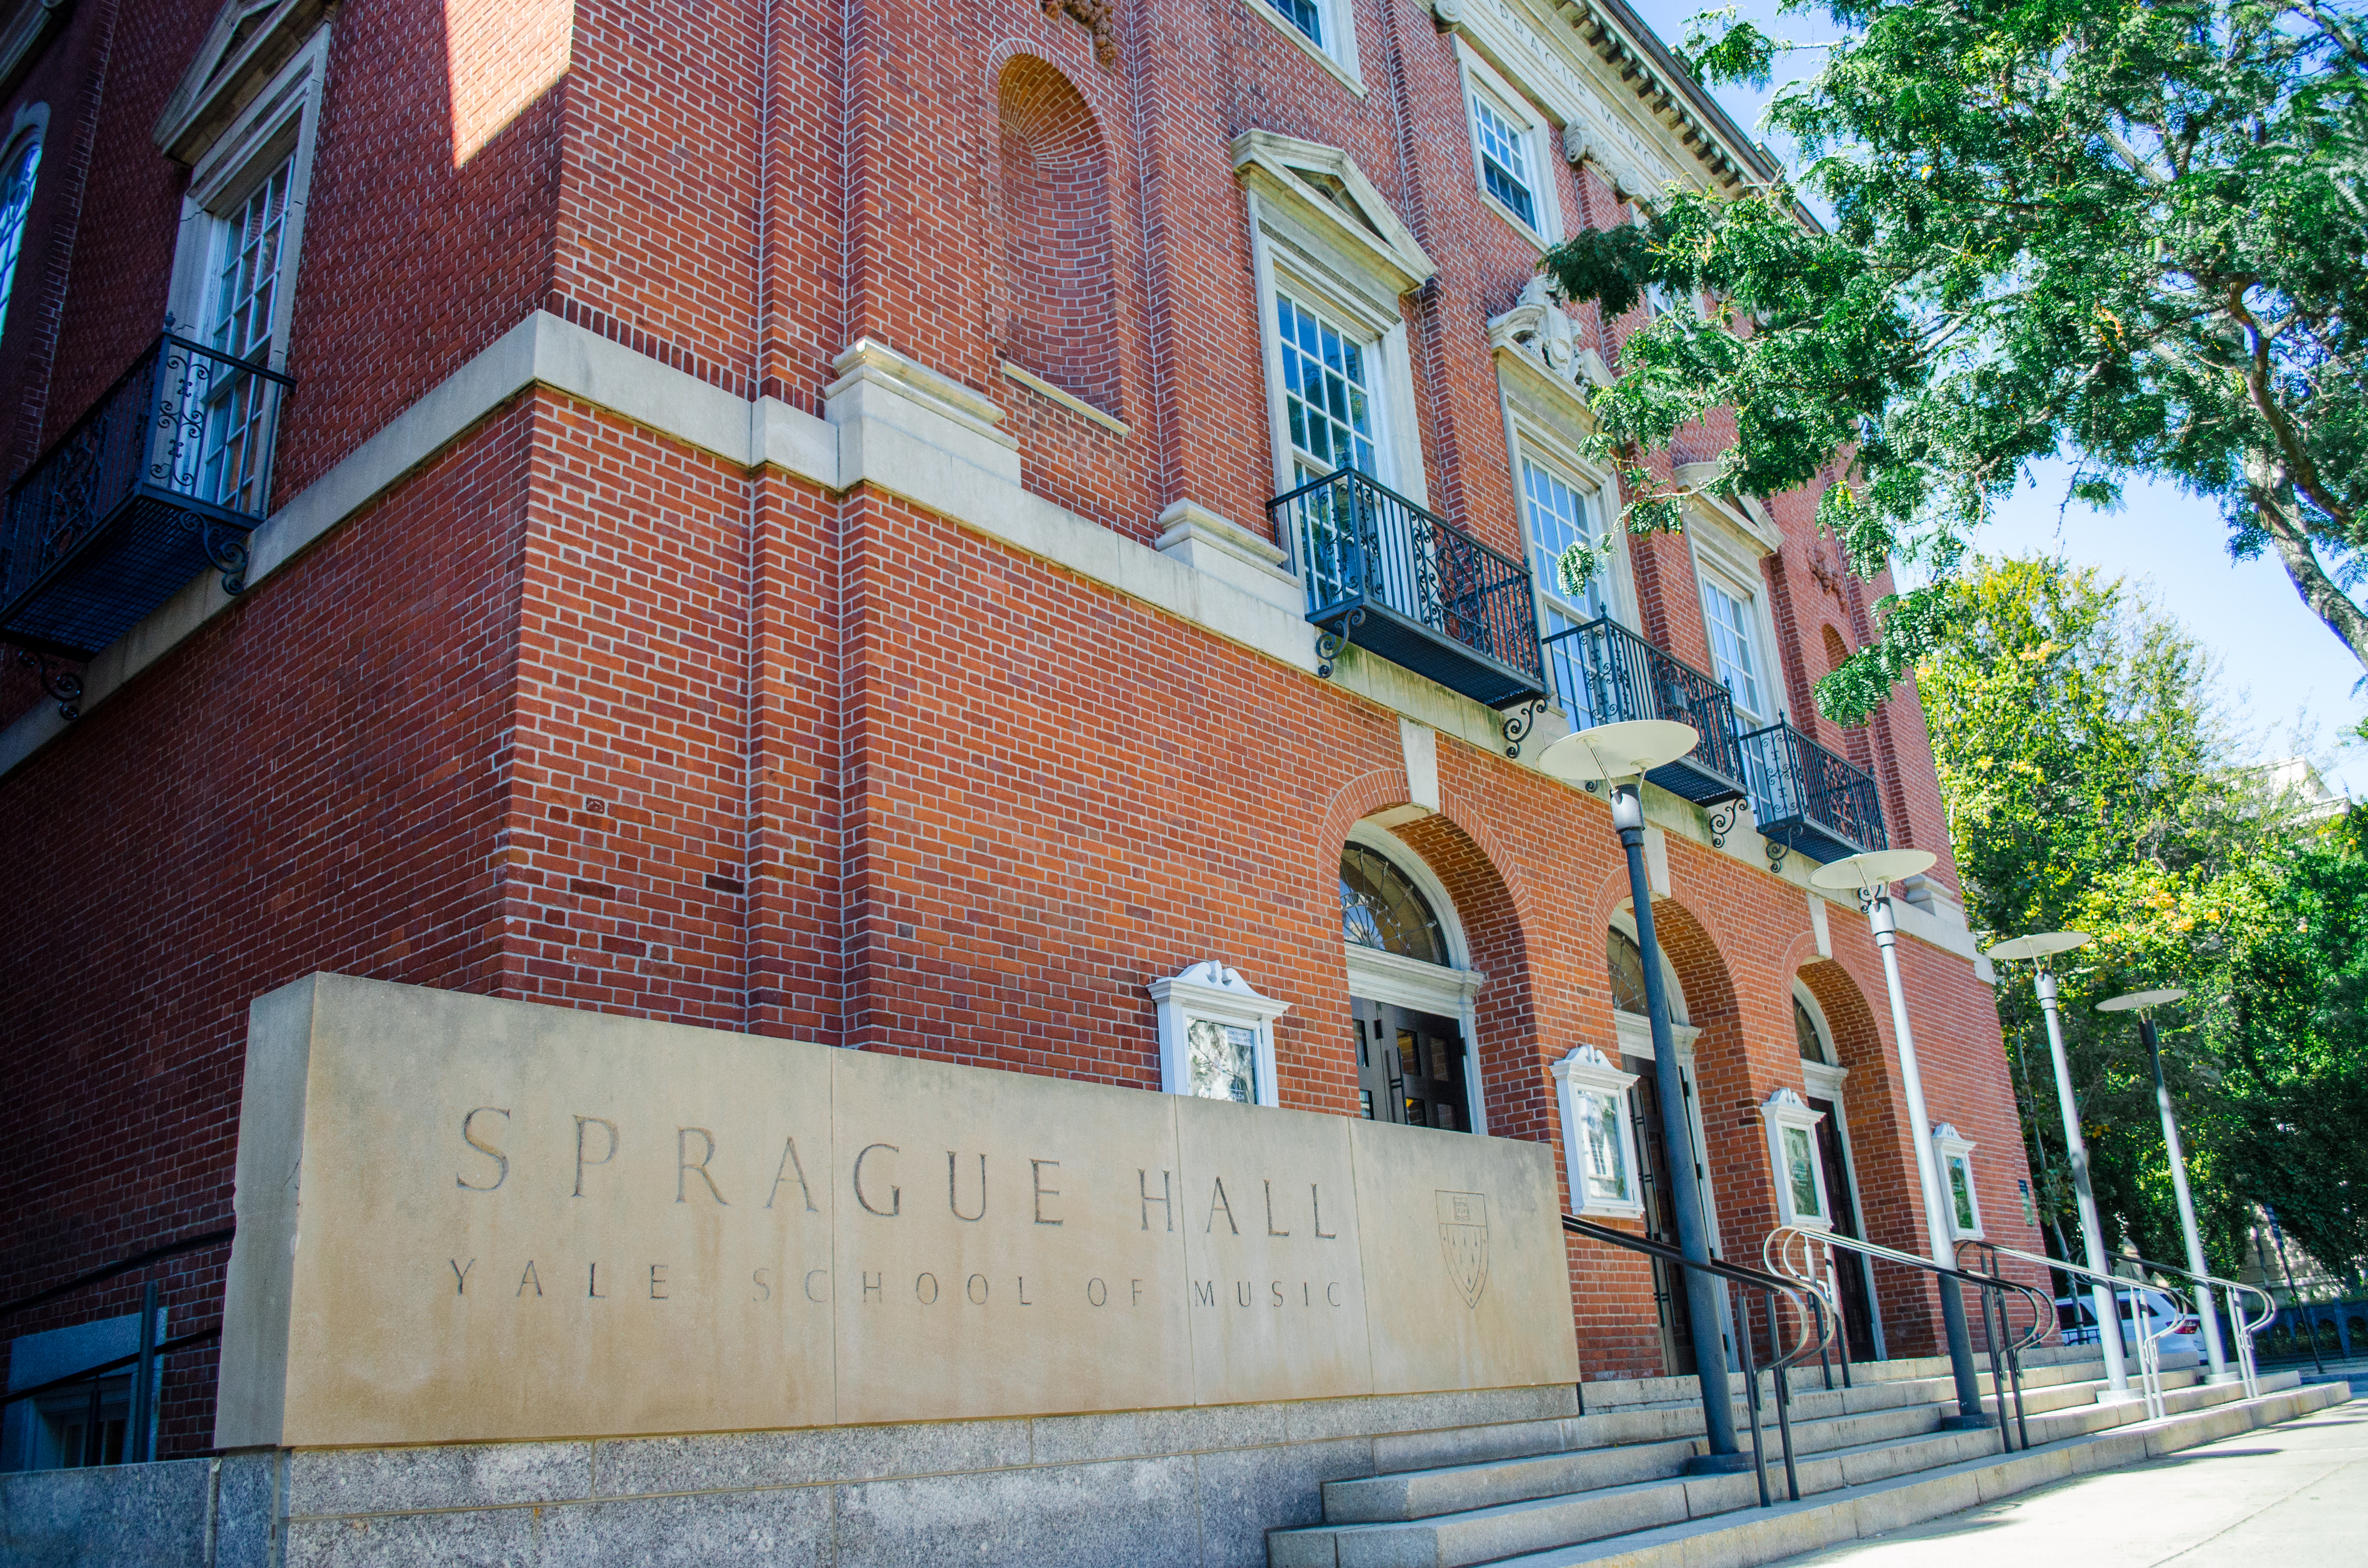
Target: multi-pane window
x=1504, y=159
x=1307, y=15
x=245, y=287
x=1327, y=394
x=16, y=200
x=1734, y=647
x=1562, y=515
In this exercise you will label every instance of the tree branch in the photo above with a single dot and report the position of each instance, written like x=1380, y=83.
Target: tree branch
x=2292, y=542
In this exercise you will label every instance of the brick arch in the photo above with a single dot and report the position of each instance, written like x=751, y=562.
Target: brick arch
x=1889, y=1209
x=1458, y=847
x=1056, y=306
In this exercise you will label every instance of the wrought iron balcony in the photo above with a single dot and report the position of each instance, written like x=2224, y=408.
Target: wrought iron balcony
x=160, y=480
x=1808, y=800
x=1605, y=672
x=1386, y=574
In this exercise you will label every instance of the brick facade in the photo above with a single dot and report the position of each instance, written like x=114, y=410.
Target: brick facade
x=582, y=711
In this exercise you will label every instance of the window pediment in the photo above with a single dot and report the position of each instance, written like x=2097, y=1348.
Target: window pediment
x=248, y=43
x=1328, y=195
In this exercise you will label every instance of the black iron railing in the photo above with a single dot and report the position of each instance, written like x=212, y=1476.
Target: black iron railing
x=1811, y=1313
x=160, y=480
x=1604, y=672
x=1804, y=798
x=1386, y=574
x=139, y=1422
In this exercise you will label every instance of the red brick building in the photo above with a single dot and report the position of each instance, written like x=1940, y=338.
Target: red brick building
x=769, y=522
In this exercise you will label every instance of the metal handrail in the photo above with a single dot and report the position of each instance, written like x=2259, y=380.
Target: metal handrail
x=2244, y=1328
x=2006, y=1381
x=1812, y=1313
x=2149, y=1345
x=136, y=1447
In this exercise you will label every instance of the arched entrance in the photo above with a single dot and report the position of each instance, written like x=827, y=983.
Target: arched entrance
x=1657, y=1170
x=1410, y=995
x=1822, y=1074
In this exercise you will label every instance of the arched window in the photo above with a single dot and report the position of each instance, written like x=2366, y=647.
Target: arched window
x=16, y=200
x=1627, y=965
x=1381, y=908
x=1806, y=1032
x=1410, y=1005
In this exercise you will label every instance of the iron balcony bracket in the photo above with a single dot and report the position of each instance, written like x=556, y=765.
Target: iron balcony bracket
x=1775, y=856
x=58, y=679
x=223, y=546
x=1721, y=821
x=1332, y=638
x=1519, y=722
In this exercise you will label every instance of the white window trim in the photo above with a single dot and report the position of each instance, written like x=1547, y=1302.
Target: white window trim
x=1587, y=1070
x=1446, y=990
x=1338, y=54
x=1533, y=442
x=282, y=118
x=1283, y=262
x=1787, y=1110
x=1824, y=1080
x=1716, y=561
x=1636, y=1035
x=1212, y=991
x=1537, y=134
x=1949, y=1144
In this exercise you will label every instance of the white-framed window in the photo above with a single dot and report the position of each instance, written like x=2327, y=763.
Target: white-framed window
x=21, y=169
x=1955, y=1154
x=1512, y=151
x=1216, y=1035
x=1731, y=619
x=1331, y=394
x=1325, y=29
x=1599, y=1134
x=242, y=220
x=1561, y=511
x=1800, y=1169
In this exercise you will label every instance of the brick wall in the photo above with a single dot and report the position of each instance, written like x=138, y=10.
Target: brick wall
x=579, y=715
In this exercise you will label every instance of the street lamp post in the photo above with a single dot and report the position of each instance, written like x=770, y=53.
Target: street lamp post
x=2143, y=1002
x=1870, y=876
x=1620, y=754
x=2039, y=948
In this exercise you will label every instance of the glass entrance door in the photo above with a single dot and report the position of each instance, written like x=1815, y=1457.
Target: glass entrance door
x=1410, y=1067
x=1858, y=1306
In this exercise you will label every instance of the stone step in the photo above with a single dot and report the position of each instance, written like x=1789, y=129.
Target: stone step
x=1751, y=1536
x=1484, y=1532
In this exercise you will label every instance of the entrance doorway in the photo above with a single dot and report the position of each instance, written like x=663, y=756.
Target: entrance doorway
x=1410, y=1067
x=1822, y=1076
x=1660, y=1218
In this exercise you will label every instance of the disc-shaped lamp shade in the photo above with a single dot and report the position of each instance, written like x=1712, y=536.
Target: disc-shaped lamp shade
x=1623, y=750
x=1872, y=869
x=2039, y=945
x=2138, y=999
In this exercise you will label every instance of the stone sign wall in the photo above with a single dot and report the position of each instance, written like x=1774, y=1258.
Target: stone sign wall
x=465, y=1219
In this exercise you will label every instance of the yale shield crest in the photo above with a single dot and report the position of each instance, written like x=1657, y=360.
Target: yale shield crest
x=1463, y=1242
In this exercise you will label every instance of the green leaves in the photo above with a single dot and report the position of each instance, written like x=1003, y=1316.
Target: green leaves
x=2091, y=786
x=2135, y=234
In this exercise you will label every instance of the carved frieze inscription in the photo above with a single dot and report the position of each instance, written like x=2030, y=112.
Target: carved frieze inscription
x=465, y=1219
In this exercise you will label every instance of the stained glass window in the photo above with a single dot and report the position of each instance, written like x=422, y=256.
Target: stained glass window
x=1380, y=907
x=16, y=200
x=1805, y=1030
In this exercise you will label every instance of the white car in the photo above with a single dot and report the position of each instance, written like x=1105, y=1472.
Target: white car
x=2077, y=1316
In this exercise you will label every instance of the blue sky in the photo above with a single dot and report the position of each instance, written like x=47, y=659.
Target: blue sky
x=2286, y=678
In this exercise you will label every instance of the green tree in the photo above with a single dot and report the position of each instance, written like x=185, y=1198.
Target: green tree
x=2095, y=783
x=2133, y=233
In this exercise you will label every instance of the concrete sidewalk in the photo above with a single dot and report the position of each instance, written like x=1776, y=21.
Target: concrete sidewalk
x=2289, y=1497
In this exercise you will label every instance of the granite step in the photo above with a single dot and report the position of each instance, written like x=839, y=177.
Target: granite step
x=1741, y=1539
